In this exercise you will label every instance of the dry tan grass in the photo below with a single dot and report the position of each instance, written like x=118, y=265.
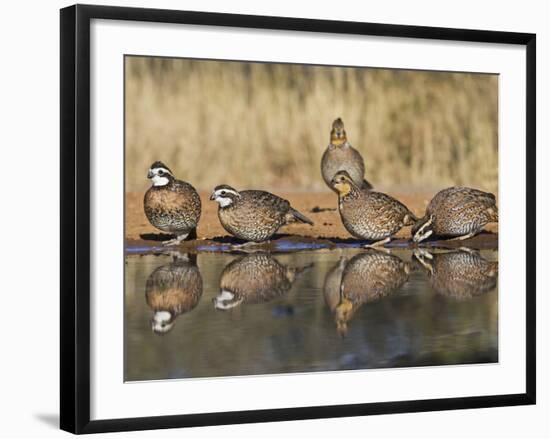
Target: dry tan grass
x=267, y=125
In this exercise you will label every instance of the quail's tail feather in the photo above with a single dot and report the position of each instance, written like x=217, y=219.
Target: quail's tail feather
x=297, y=216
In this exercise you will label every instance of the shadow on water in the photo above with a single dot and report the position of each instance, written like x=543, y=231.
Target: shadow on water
x=161, y=237
x=222, y=314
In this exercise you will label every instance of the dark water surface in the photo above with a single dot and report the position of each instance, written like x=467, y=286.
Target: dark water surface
x=221, y=314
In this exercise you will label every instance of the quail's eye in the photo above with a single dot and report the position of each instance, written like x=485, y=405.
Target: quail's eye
x=222, y=192
x=161, y=172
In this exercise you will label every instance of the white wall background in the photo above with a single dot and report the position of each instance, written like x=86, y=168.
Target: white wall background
x=29, y=206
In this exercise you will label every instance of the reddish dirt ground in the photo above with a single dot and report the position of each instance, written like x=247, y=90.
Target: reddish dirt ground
x=321, y=208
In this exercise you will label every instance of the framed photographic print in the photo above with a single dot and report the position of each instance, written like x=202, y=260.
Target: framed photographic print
x=268, y=218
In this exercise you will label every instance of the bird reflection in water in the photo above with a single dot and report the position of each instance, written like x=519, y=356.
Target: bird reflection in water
x=171, y=290
x=366, y=277
x=253, y=279
x=460, y=274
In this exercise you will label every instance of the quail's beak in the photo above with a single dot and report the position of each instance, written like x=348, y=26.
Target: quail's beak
x=213, y=196
x=150, y=174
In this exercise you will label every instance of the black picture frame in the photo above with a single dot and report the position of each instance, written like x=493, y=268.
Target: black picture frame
x=75, y=217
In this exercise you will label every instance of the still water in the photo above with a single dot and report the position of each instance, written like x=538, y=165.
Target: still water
x=221, y=314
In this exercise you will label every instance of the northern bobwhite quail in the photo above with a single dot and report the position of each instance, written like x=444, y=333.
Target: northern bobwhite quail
x=341, y=156
x=171, y=290
x=253, y=215
x=367, y=214
x=367, y=277
x=254, y=279
x=460, y=274
x=459, y=212
x=171, y=205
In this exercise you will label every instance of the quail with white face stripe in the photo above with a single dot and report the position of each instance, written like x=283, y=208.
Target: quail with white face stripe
x=254, y=215
x=171, y=205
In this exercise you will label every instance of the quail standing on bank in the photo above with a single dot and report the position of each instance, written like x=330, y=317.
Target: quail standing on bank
x=171, y=205
x=341, y=156
x=367, y=214
x=254, y=215
x=457, y=212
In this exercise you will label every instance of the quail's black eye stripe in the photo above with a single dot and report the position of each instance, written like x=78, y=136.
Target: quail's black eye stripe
x=160, y=171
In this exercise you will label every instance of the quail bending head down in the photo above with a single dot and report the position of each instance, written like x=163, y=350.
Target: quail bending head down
x=254, y=215
x=341, y=156
x=171, y=205
x=458, y=212
x=365, y=278
x=367, y=214
x=460, y=274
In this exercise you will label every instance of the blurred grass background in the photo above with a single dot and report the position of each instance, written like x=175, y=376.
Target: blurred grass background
x=267, y=125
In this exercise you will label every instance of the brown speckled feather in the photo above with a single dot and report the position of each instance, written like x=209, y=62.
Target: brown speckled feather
x=257, y=215
x=373, y=215
x=173, y=208
x=461, y=274
x=175, y=287
x=257, y=278
x=367, y=277
x=372, y=275
x=458, y=211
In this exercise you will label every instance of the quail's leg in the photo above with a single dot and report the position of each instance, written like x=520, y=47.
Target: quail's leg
x=424, y=257
x=378, y=243
x=463, y=237
x=176, y=241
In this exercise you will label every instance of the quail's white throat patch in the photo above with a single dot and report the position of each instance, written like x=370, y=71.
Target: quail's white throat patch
x=220, y=196
x=160, y=181
x=159, y=176
x=162, y=316
x=223, y=202
x=160, y=322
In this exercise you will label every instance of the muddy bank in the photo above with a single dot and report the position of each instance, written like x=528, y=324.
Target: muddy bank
x=321, y=208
